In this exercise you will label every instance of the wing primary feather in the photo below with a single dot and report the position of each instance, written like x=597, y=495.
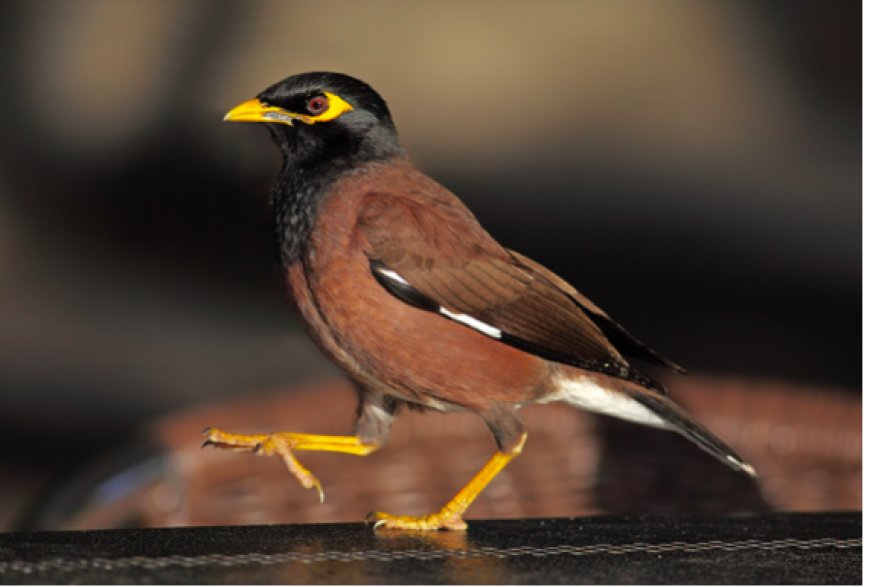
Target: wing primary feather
x=400, y=288
x=494, y=284
x=470, y=290
x=628, y=344
x=452, y=296
x=618, y=336
x=608, y=368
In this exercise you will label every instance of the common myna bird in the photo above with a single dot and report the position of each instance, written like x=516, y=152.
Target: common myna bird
x=399, y=284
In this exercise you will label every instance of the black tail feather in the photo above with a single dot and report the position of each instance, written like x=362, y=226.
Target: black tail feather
x=680, y=421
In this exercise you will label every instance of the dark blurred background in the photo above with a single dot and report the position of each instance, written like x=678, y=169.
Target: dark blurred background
x=691, y=165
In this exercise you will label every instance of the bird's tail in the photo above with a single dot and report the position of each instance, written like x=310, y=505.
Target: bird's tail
x=678, y=420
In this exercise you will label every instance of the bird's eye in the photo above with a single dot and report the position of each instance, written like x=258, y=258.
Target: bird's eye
x=317, y=105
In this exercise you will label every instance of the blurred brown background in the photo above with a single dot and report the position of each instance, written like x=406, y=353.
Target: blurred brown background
x=691, y=165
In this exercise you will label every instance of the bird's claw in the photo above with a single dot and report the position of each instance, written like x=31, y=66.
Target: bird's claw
x=443, y=520
x=265, y=445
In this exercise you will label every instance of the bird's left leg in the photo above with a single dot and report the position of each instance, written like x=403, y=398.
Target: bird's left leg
x=374, y=416
x=510, y=436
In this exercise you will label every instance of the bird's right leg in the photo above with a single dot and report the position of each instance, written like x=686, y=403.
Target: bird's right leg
x=510, y=436
x=374, y=416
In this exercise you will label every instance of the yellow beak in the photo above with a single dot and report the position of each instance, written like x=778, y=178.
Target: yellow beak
x=257, y=111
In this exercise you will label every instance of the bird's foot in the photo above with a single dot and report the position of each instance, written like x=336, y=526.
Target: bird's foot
x=265, y=445
x=443, y=520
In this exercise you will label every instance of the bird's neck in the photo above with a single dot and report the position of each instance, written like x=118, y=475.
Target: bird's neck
x=311, y=166
x=295, y=199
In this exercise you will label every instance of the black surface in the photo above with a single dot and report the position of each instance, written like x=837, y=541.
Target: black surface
x=773, y=548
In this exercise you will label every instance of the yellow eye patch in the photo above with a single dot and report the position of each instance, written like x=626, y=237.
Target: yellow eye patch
x=257, y=111
x=336, y=106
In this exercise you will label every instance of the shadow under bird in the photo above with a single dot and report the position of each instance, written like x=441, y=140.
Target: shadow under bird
x=399, y=285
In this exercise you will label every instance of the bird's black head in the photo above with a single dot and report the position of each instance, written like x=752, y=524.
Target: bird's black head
x=324, y=118
x=326, y=124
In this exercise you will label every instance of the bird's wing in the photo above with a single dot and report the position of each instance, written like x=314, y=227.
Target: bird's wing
x=622, y=339
x=437, y=257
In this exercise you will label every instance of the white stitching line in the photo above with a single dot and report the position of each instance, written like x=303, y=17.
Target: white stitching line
x=225, y=560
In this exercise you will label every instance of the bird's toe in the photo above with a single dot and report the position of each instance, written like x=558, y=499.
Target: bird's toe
x=437, y=521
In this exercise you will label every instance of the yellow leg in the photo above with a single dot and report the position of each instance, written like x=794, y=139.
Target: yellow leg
x=283, y=443
x=450, y=516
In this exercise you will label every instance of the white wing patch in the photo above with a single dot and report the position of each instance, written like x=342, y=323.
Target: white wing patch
x=470, y=321
x=390, y=274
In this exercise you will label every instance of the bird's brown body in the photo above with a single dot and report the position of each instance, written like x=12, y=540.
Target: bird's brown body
x=382, y=342
x=400, y=286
